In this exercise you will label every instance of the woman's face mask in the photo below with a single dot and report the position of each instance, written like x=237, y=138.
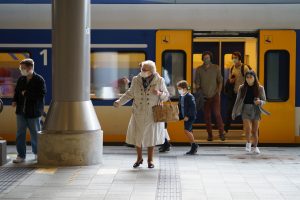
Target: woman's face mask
x=145, y=74
x=250, y=80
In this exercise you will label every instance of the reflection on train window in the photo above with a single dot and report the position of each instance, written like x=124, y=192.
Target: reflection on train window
x=174, y=67
x=112, y=72
x=9, y=72
x=197, y=62
x=277, y=67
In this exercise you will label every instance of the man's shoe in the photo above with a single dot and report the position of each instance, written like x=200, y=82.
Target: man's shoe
x=209, y=137
x=19, y=160
x=222, y=136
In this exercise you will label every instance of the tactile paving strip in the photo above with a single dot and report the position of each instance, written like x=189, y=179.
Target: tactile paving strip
x=169, y=185
x=11, y=175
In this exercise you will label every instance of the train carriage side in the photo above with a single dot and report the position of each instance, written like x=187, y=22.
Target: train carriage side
x=115, y=55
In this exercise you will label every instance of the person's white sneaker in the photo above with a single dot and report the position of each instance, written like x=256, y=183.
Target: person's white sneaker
x=35, y=157
x=248, y=147
x=18, y=160
x=256, y=150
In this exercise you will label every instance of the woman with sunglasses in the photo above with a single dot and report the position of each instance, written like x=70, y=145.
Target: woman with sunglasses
x=250, y=98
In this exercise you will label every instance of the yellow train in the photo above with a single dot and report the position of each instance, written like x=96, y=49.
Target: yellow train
x=119, y=42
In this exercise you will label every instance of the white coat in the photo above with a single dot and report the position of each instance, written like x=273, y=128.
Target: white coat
x=142, y=130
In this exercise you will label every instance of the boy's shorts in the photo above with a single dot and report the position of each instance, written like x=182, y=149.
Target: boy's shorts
x=188, y=125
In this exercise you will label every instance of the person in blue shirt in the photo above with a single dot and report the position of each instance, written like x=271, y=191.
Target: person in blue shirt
x=187, y=112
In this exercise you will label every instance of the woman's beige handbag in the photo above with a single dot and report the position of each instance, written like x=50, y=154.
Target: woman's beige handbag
x=165, y=112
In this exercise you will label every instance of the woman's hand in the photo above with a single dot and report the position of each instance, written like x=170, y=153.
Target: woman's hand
x=156, y=92
x=257, y=101
x=117, y=104
x=185, y=119
x=233, y=116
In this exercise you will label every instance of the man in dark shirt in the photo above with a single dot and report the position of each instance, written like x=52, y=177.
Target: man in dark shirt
x=29, y=102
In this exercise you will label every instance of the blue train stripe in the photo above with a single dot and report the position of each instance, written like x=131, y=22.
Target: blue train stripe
x=107, y=46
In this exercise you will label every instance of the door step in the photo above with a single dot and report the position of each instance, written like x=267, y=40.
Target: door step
x=232, y=137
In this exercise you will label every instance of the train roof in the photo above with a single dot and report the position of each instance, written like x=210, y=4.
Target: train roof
x=161, y=1
x=198, y=17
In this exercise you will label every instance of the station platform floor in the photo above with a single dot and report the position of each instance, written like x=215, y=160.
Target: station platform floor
x=214, y=173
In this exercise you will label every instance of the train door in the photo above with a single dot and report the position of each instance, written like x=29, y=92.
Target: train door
x=222, y=49
x=174, y=61
x=277, y=52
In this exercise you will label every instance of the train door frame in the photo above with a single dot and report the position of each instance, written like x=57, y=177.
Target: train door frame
x=250, y=51
x=177, y=41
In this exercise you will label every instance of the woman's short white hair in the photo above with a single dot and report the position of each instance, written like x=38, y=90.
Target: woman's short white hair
x=150, y=64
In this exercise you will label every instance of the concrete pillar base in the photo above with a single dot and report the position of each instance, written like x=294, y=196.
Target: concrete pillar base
x=70, y=148
x=3, y=152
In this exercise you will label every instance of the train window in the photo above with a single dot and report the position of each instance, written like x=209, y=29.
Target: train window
x=9, y=72
x=277, y=68
x=111, y=72
x=197, y=62
x=174, y=67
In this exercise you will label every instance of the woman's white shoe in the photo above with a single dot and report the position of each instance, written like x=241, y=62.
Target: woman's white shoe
x=256, y=150
x=248, y=147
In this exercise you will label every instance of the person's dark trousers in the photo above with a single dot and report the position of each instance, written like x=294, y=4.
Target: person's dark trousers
x=213, y=104
x=230, y=104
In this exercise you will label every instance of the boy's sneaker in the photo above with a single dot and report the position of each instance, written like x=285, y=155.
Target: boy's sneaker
x=248, y=147
x=256, y=150
x=35, y=157
x=18, y=160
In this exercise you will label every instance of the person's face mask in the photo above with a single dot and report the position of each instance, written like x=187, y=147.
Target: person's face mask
x=24, y=72
x=181, y=91
x=206, y=60
x=250, y=80
x=145, y=74
x=235, y=60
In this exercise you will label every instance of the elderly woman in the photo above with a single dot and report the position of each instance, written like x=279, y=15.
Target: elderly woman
x=147, y=89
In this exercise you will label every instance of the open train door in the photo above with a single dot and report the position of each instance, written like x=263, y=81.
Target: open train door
x=174, y=63
x=277, y=69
